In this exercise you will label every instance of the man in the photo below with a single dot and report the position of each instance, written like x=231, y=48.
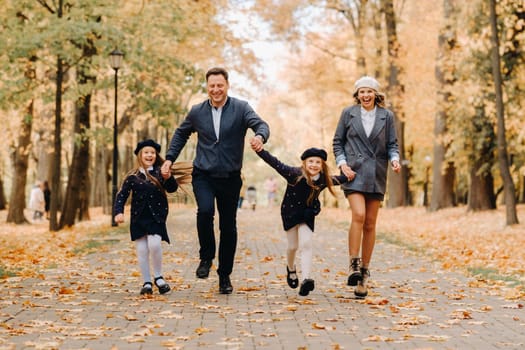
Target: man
x=221, y=123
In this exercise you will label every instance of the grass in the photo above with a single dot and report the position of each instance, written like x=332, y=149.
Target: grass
x=494, y=275
x=392, y=239
x=92, y=246
x=5, y=273
x=108, y=238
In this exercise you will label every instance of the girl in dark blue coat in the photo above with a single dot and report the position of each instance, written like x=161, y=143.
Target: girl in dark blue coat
x=149, y=210
x=299, y=207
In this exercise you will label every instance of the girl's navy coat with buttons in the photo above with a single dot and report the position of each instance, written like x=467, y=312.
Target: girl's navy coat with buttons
x=294, y=209
x=149, y=204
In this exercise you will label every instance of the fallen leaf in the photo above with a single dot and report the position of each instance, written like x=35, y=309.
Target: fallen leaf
x=316, y=325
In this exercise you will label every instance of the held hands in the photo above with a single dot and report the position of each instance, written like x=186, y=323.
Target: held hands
x=119, y=218
x=165, y=170
x=257, y=143
x=348, y=172
x=396, y=167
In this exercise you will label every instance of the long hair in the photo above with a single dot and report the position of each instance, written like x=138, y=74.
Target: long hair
x=139, y=164
x=315, y=190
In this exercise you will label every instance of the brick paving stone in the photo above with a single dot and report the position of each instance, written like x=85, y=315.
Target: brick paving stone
x=94, y=303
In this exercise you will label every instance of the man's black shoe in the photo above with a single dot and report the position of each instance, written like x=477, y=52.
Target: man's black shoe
x=203, y=270
x=225, y=285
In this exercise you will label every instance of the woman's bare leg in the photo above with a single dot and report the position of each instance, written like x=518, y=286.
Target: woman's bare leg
x=369, y=231
x=358, y=207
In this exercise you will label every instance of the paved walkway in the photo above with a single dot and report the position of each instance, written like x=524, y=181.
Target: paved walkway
x=94, y=304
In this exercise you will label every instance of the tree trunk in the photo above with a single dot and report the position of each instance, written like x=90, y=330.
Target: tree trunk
x=20, y=157
x=3, y=200
x=522, y=200
x=76, y=192
x=57, y=142
x=503, y=160
x=443, y=174
x=101, y=178
x=76, y=202
x=360, y=36
x=481, y=194
x=355, y=12
x=398, y=191
x=377, y=9
x=56, y=165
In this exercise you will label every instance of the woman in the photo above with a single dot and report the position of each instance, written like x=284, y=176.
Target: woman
x=364, y=142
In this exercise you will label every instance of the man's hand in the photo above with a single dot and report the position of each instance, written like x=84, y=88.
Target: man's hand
x=165, y=170
x=257, y=143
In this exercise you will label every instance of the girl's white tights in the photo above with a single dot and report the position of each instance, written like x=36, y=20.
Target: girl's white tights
x=300, y=237
x=150, y=245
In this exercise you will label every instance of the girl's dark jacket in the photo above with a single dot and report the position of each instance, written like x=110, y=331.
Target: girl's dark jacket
x=294, y=209
x=146, y=196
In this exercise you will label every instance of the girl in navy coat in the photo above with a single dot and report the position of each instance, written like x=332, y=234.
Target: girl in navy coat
x=299, y=207
x=149, y=210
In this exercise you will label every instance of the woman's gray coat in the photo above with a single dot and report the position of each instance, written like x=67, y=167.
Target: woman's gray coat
x=367, y=156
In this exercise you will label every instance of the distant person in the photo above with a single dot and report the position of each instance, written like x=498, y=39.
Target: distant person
x=149, y=211
x=221, y=123
x=37, y=201
x=47, y=197
x=299, y=207
x=364, y=143
x=271, y=190
x=251, y=197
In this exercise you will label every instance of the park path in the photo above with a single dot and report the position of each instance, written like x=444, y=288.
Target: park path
x=94, y=303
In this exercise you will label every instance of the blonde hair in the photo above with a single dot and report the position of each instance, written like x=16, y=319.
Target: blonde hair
x=139, y=164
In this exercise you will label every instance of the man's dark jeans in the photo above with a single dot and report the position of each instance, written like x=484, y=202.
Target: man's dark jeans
x=223, y=189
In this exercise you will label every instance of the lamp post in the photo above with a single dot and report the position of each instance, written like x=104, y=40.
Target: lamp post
x=115, y=59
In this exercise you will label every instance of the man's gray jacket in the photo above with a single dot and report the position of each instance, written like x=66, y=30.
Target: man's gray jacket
x=225, y=153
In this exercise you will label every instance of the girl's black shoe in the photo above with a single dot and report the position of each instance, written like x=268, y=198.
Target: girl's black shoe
x=163, y=289
x=292, y=282
x=146, y=288
x=306, y=287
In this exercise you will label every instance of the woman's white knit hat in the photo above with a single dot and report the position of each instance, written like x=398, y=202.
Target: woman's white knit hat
x=366, y=81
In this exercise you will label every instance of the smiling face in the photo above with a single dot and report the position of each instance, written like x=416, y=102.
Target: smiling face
x=367, y=98
x=313, y=165
x=217, y=86
x=148, y=155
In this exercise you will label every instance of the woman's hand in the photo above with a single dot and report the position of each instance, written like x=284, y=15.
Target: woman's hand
x=396, y=167
x=348, y=172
